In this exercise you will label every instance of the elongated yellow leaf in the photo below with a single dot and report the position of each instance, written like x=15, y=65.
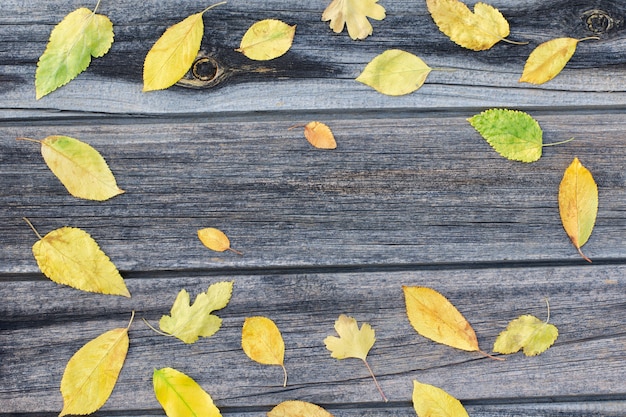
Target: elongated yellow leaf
x=353, y=14
x=298, y=409
x=267, y=39
x=526, y=332
x=319, y=135
x=172, y=55
x=215, y=239
x=91, y=374
x=71, y=257
x=262, y=342
x=477, y=31
x=578, y=204
x=181, y=396
x=395, y=73
x=79, y=36
x=547, y=60
x=434, y=317
x=430, y=401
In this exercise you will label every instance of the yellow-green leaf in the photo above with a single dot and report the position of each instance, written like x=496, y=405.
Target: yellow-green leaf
x=267, y=39
x=298, y=409
x=527, y=332
x=434, y=317
x=262, y=342
x=431, y=401
x=71, y=257
x=188, y=323
x=91, y=373
x=215, y=239
x=578, y=204
x=548, y=59
x=395, y=73
x=82, y=34
x=353, y=14
x=181, y=396
x=173, y=53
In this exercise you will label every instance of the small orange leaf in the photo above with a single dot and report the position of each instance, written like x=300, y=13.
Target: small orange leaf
x=319, y=135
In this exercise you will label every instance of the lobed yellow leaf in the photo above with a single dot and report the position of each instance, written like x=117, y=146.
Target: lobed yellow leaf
x=353, y=14
x=395, y=73
x=298, y=409
x=262, y=342
x=548, y=59
x=527, y=332
x=267, y=39
x=319, y=135
x=429, y=400
x=181, y=396
x=352, y=341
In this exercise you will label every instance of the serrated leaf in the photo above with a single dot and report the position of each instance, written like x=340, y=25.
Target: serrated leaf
x=71, y=257
x=189, y=322
x=548, y=59
x=429, y=400
x=181, y=396
x=477, y=31
x=353, y=14
x=395, y=73
x=215, y=239
x=262, y=342
x=82, y=34
x=578, y=204
x=527, y=332
x=434, y=317
x=319, y=135
x=513, y=134
x=298, y=409
x=266, y=40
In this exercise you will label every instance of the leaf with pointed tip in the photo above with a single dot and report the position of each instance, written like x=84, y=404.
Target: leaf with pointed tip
x=262, y=342
x=548, y=59
x=526, y=332
x=353, y=14
x=395, y=73
x=319, y=135
x=429, y=400
x=181, y=396
x=298, y=409
x=266, y=40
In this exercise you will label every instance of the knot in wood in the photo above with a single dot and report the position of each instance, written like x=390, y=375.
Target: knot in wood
x=599, y=21
x=204, y=69
x=205, y=72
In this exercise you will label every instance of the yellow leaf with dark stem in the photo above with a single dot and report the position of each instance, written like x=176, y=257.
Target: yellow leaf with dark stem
x=319, y=135
x=262, y=342
x=431, y=401
x=181, y=396
x=578, y=204
x=266, y=40
x=298, y=409
x=216, y=240
x=353, y=14
x=395, y=73
x=91, y=373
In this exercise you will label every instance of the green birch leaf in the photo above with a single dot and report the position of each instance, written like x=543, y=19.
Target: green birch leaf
x=526, y=332
x=79, y=36
x=395, y=73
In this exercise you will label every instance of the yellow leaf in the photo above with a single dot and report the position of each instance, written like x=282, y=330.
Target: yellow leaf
x=262, y=342
x=319, y=135
x=434, y=317
x=267, y=39
x=477, y=31
x=71, y=257
x=298, y=409
x=91, y=373
x=578, y=204
x=527, y=332
x=395, y=73
x=181, y=396
x=173, y=53
x=429, y=400
x=215, y=239
x=353, y=14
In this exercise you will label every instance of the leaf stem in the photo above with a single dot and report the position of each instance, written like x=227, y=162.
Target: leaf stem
x=558, y=143
x=284, y=372
x=375, y=381
x=30, y=140
x=32, y=227
x=514, y=42
x=583, y=255
x=548, y=305
x=212, y=6
x=157, y=331
x=132, y=317
x=96, y=8
x=235, y=251
x=495, y=358
x=588, y=38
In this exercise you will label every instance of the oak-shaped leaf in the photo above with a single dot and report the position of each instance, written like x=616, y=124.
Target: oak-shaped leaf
x=429, y=400
x=528, y=333
x=267, y=39
x=578, y=204
x=82, y=34
x=173, y=53
x=181, y=396
x=395, y=73
x=298, y=409
x=190, y=322
x=262, y=342
x=352, y=343
x=353, y=14
x=319, y=135
x=216, y=240
x=90, y=375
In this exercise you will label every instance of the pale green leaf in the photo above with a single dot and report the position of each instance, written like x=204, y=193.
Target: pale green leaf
x=395, y=73
x=527, y=332
x=181, y=396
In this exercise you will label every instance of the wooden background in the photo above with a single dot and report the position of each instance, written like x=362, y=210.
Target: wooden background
x=411, y=196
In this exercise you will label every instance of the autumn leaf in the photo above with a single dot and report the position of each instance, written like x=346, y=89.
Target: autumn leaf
x=547, y=60
x=79, y=167
x=173, y=53
x=91, y=373
x=70, y=256
x=319, y=135
x=578, y=204
x=429, y=400
x=82, y=34
x=298, y=409
x=353, y=343
x=216, y=240
x=262, y=342
x=181, y=396
x=353, y=14
x=267, y=39
x=395, y=73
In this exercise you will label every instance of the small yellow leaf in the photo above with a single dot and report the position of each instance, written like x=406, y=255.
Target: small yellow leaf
x=548, y=59
x=91, y=373
x=319, y=135
x=262, y=342
x=181, y=396
x=430, y=401
x=352, y=341
x=395, y=73
x=353, y=14
x=298, y=409
x=267, y=39
x=578, y=204
x=527, y=332
x=434, y=317
x=215, y=239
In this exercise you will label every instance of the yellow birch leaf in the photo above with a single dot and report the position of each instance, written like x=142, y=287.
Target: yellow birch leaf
x=429, y=400
x=262, y=342
x=91, y=373
x=267, y=39
x=477, y=31
x=353, y=14
x=578, y=204
x=215, y=239
x=319, y=135
x=526, y=332
x=181, y=396
x=298, y=409
x=395, y=73
x=70, y=256
x=434, y=317
x=173, y=53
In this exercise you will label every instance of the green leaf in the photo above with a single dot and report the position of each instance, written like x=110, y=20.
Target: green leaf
x=395, y=73
x=513, y=134
x=181, y=396
x=527, y=332
x=79, y=36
